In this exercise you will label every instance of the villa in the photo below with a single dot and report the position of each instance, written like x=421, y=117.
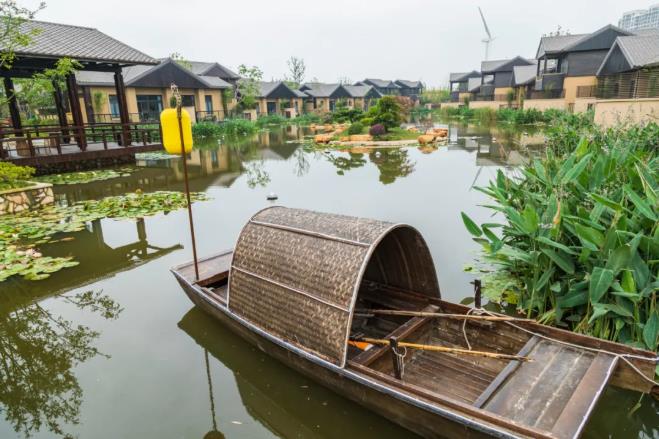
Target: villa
x=148, y=91
x=459, y=85
x=398, y=87
x=323, y=98
x=628, y=80
x=567, y=69
x=275, y=97
x=496, y=87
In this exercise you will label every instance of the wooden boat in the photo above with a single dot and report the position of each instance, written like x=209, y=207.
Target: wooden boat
x=292, y=286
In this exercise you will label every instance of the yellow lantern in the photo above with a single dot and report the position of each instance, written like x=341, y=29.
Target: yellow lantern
x=171, y=137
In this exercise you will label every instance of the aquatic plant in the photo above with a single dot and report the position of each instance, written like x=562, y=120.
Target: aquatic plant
x=13, y=176
x=271, y=119
x=308, y=119
x=85, y=176
x=580, y=244
x=21, y=233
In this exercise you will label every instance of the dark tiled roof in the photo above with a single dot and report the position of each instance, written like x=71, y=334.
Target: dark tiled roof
x=558, y=43
x=319, y=89
x=641, y=50
x=212, y=69
x=133, y=73
x=408, y=84
x=381, y=83
x=358, y=91
x=495, y=65
x=54, y=40
x=463, y=76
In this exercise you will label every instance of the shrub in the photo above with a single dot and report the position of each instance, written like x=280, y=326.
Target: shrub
x=387, y=112
x=307, y=118
x=271, y=119
x=367, y=121
x=377, y=130
x=202, y=130
x=346, y=114
x=356, y=128
x=14, y=176
x=579, y=245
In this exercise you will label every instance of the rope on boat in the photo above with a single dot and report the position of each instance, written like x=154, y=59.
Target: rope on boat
x=435, y=348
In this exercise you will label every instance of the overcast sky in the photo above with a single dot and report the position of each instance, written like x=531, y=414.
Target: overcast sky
x=406, y=39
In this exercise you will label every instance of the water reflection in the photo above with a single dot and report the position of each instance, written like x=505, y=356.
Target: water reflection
x=38, y=352
x=98, y=260
x=271, y=392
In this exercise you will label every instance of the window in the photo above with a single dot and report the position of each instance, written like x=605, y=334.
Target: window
x=187, y=100
x=209, y=103
x=114, y=105
x=149, y=106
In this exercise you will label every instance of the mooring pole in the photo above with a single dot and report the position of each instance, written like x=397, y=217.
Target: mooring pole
x=185, y=177
x=477, y=293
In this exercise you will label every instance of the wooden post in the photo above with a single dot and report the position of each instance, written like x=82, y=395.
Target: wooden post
x=89, y=105
x=76, y=112
x=13, y=105
x=478, y=293
x=393, y=347
x=123, y=107
x=61, y=111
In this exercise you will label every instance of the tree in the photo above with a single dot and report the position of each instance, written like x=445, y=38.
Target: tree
x=12, y=36
x=344, y=80
x=36, y=93
x=248, y=86
x=180, y=60
x=387, y=112
x=297, y=70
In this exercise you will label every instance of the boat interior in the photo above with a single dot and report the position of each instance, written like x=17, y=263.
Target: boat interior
x=549, y=396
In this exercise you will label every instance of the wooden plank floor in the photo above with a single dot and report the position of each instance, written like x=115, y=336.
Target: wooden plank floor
x=208, y=266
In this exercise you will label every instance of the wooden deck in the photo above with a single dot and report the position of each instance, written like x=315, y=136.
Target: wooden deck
x=94, y=154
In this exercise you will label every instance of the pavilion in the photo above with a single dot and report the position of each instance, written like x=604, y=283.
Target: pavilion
x=72, y=141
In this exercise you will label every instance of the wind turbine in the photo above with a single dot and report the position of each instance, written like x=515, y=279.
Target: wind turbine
x=489, y=38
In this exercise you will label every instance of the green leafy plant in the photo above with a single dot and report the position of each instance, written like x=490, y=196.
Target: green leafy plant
x=84, y=176
x=13, y=176
x=580, y=244
x=387, y=112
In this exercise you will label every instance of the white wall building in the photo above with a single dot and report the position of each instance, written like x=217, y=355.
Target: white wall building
x=640, y=19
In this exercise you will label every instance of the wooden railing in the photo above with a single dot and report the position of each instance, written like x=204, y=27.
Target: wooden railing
x=208, y=116
x=55, y=140
x=641, y=84
x=586, y=91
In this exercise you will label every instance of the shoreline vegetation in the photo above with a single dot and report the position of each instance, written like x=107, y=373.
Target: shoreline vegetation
x=579, y=247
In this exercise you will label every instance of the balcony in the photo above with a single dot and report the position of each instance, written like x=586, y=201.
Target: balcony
x=549, y=82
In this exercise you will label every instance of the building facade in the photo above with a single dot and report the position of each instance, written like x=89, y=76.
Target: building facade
x=640, y=19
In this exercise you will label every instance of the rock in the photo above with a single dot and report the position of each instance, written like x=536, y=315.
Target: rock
x=426, y=139
x=361, y=138
x=322, y=138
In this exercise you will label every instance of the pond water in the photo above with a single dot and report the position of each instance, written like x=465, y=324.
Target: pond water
x=159, y=368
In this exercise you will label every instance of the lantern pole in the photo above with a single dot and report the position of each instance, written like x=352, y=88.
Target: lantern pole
x=177, y=95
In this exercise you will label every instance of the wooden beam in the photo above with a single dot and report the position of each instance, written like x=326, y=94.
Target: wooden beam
x=12, y=103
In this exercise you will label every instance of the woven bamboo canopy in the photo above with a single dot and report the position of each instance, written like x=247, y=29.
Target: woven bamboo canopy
x=297, y=273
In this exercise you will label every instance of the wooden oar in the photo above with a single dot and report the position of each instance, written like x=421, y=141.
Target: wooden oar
x=434, y=348
x=395, y=312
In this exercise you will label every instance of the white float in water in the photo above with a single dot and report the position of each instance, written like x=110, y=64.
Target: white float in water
x=272, y=196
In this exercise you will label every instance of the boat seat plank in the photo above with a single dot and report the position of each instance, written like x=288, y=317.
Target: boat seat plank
x=209, y=268
x=578, y=409
x=505, y=373
x=553, y=392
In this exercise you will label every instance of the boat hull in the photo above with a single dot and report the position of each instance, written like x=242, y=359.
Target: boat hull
x=392, y=406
